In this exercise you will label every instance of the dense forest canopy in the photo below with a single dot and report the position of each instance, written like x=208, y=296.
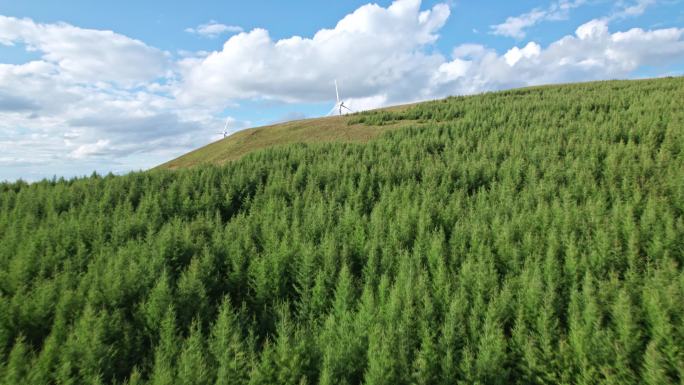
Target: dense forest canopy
x=533, y=236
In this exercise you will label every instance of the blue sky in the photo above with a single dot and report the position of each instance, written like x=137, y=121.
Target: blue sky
x=120, y=86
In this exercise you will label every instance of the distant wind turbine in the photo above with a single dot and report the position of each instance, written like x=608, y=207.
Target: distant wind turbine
x=339, y=105
x=225, y=128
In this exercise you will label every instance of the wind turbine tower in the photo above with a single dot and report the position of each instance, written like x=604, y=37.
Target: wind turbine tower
x=339, y=105
x=225, y=128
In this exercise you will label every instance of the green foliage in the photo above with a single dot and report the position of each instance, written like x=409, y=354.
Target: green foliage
x=164, y=370
x=531, y=236
x=193, y=364
x=228, y=348
x=17, y=364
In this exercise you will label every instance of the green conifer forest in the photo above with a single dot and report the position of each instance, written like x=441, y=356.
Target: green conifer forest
x=532, y=236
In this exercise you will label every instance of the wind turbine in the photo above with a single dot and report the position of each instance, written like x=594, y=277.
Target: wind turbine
x=339, y=105
x=225, y=128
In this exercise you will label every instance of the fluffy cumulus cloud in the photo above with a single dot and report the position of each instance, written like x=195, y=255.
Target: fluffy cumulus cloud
x=82, y=105
x=382, y=56
x=593, y=52
x=59, y=123
x=373, y=51
x=86, y=55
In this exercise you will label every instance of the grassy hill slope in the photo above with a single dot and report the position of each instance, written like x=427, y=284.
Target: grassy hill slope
x=316, y=130
x=369, y=125
x=532, y=236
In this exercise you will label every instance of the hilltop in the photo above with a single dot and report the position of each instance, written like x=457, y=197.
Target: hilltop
x=330, y=129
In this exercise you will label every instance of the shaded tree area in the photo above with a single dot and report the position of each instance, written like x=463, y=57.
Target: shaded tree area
x=532, y=236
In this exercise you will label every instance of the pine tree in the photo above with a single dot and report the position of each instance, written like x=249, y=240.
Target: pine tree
x=228, y=348
x=18, y=363
x=85, y=356
x=5, y=336
x=453, y=337
x=655, y=368
x=290, y=351
x=265, y=372
x=166, y=352
x=382, y=362
x=426, y=368
x=192, y=300
x=628, y=341
x=344, y=294
x=135, y=378
x=490, y=363
x=43, y=368
x=158, y=302
x=193, y=365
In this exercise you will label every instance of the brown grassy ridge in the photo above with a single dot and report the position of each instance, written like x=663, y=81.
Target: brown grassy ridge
x=315, y=130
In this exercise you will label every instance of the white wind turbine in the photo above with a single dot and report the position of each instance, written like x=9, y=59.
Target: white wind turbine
x=225, y=128
x=339, y=105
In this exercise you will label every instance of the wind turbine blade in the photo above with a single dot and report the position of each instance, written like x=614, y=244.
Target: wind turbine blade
x=336, y=92
x=350, y=110
x=225, y=127
x=333, y=111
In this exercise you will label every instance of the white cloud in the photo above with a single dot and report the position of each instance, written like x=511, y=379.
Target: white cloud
x=366, y=103
x=93, y=100
x=594, y=29
x=370, y=51
x=469, y=51
x=631, y=9
x=89, y=149
x=213, y=29
x=531, y=50
x=591, y=53
x=71, y=121
x=515, y=26
x=383, y=56
x=86, y=55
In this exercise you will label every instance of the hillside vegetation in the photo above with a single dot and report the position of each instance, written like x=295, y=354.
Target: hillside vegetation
x=532, y=236
x=335, y=129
